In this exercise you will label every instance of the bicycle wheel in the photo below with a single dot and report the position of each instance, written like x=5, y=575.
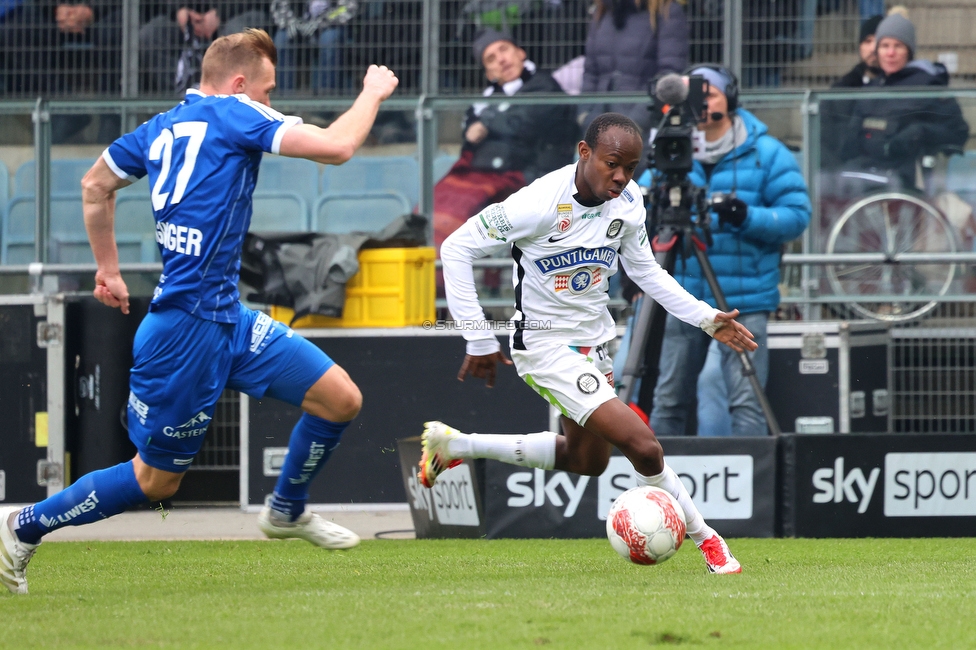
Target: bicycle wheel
x=892, y=223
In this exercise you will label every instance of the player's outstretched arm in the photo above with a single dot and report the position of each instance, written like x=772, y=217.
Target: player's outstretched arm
x=482, y=367
x=98, y=204
x=733, y=333
x=337, y=143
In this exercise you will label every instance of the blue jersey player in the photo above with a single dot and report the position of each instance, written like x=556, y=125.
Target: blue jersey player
x=202, y=160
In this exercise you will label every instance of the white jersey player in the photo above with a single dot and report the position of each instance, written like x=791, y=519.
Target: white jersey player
x=568, y=231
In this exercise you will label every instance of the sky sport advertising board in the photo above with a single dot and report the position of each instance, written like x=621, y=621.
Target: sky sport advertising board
x=879, y=486
x=731, y=482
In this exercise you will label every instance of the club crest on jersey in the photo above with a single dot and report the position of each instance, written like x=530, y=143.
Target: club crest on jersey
x=615, y=227
x=566, y=260
x=579, y=282
x=564, y=216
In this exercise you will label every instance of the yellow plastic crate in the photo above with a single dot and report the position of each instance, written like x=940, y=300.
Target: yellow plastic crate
x=394, y=288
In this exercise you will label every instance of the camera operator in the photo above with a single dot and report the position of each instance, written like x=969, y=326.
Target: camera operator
x=759, y=201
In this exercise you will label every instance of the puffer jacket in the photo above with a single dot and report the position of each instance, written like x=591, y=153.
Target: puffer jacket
x=625, y=60
x=746, y=259
x=894, y=133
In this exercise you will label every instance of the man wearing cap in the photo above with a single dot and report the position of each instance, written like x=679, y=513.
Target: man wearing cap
x=759, y=203
x=504, y=147
x=867, y=68
x=835, y=114
x=886, y=134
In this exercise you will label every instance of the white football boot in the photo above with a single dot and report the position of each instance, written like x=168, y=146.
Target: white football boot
x=14, y=555
x=718, y=557
x=435, y=459
x=309, y=527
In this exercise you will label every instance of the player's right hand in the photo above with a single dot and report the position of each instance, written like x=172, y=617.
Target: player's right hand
x=482, y=367
x=380, y=80
x=110, y=290
x=733, y=333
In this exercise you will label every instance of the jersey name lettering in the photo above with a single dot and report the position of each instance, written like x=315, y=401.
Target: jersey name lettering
x=180, y=239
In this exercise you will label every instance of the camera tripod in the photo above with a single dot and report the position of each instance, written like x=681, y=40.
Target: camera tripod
x=670, y=208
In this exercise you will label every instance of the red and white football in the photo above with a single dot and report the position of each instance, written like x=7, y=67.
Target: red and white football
x=646, y=525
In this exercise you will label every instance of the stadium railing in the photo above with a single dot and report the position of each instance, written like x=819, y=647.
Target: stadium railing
x=792, y=116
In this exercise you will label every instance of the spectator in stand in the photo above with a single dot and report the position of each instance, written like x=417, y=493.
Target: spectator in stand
x=173, y=42
x=886, y=134
x=867, y=69
x=835, y=114
x=54, y=48
x=315, y=30
x=630, y=42
x=504, y=147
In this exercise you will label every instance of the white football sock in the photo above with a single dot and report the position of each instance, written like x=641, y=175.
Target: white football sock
x=667, y=480
x=523, y=449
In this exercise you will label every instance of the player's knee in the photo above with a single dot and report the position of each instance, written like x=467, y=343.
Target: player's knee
x=342, y=405
x=648, y=450
x=347, y=404
x=158, y=488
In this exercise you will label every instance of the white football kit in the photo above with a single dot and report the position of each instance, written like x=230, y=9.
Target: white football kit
x=564, y=254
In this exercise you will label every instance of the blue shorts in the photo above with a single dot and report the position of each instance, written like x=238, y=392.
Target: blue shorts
x=181, y=365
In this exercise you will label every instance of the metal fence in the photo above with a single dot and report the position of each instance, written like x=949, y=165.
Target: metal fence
x=133, y=48
x=934, y=356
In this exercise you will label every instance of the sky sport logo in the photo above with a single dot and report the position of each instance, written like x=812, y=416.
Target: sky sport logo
x=940, y=484
x=451, y=500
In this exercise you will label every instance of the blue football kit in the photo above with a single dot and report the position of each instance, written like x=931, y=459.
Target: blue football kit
x=202, y=159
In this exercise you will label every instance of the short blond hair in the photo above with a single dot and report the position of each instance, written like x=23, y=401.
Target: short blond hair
x=241, y=52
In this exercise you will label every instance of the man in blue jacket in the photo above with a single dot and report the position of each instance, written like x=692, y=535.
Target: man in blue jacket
x=766, y=205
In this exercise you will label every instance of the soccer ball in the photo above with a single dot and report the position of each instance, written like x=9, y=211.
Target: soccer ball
x=646, y=525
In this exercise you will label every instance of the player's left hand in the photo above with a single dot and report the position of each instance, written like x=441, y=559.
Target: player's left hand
x=482, y=367
x=733, y=333
x=110, y=290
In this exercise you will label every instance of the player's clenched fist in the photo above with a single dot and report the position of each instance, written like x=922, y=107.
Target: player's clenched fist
x=381, y=80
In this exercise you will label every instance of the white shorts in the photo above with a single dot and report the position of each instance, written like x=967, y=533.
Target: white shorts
x=576, y=380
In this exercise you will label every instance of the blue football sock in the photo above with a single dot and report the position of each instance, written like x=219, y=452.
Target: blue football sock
x=311, y=443
x=95, y=496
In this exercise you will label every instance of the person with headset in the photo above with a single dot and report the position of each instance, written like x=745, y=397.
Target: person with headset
x=759, y=203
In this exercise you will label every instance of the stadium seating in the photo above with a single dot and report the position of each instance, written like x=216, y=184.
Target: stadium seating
x=17, y=239
x=66, y=175
x=369, y=211
x=279, y=211
x=442, y=164
x=135, y=232
x=67, y=231
x=295, y=175
x=135, y=228
x=369, y=173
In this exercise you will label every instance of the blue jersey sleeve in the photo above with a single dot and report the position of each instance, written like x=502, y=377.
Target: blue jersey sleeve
x=259, y=127
x=127, y=155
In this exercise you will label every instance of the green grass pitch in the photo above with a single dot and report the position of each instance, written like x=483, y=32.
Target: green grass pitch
x=494, y=594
